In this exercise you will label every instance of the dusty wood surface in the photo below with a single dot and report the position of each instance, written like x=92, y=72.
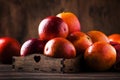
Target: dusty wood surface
x=11, y=75
x=53, y=76
x=20, y=18
x=7, y=73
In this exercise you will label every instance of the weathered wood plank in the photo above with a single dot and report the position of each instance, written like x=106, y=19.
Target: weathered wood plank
x=58, y=76
x=20, y=18
x=37, y=63
x=74, y=65
x=7, y=73
x=41, y=63
x=5, y=68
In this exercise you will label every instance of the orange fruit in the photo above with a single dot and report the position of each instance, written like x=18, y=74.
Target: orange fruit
x=114, y=37
x=32, y=46
x=59, y=48
x=97, y=36
x=116, y=45
x=52, y=27
x=71, y=20
x=80, y=40
x=100, y=56
x=9, y=47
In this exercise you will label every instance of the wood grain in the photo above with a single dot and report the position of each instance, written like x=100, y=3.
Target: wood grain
x=7, y=73
x=20, y=18
x=41, y=63
x=45, y=64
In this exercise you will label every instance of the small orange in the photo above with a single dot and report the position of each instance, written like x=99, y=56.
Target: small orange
x=97, y=36
x=71, y=20
x=114, y=37
x=80, y=40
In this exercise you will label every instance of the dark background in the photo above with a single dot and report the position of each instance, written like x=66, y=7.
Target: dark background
x=20, y=18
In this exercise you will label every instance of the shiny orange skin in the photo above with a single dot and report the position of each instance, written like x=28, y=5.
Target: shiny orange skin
x=52, y=27
x=59, y=48
x=72, y=21
x=114, y=37
x=97, y=36
x=100, y=56
x=9, y=47
x=80, y=40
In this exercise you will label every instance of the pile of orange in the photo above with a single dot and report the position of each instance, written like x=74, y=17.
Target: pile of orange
x=56, y=29
x=65, y=39
x=60, y=36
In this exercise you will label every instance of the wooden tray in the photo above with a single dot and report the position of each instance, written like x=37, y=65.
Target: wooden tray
x=41, y=63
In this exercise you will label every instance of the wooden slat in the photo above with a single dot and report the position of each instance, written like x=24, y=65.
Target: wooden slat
x=46, y=64
x=20, y=19
x=5, y=67
x=73, y=65
x=7, y=73
x=58, y=76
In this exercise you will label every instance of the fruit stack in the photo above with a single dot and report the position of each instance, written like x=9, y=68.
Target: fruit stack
x=63, y=47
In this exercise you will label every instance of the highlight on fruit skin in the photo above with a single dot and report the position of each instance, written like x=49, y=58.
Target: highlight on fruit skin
x=114, y=37
x=59, y=48
x=51, y=27
x=32, y=46
x=72, y=21
x=9, y=47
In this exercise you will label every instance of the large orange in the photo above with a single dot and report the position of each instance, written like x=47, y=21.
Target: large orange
x=101, y=56
x=98, y=36
x=71, y=20
x=9, y=47
x=114, y=37
x=59, y=48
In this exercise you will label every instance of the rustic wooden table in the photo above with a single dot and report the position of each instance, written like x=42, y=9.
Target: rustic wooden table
x=7, y=73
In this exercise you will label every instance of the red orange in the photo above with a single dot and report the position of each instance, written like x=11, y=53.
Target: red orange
x=52, y=27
